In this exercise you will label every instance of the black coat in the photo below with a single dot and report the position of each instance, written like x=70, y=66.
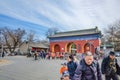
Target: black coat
x=85, y=72
x=118, y=69
x=105, y=66
x=71, y=68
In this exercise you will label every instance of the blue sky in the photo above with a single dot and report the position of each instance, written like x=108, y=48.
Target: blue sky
x=39, y=15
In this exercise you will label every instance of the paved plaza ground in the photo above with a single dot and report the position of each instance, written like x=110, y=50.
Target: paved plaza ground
x=23, y=68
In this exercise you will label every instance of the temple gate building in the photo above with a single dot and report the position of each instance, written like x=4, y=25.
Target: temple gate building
x=78, y=41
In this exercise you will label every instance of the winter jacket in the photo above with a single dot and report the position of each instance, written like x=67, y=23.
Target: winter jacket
x=71, y=68
x=105, y=67
x=62, y=69
x=88, y=72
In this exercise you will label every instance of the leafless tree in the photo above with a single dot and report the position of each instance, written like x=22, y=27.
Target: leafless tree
x=12, y=38
x=52, y=31
x=30, y=36
x=112, y=34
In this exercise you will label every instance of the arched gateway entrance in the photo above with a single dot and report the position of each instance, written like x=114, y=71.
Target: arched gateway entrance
x=56, y=48
x=71, y=48
x=89, y=47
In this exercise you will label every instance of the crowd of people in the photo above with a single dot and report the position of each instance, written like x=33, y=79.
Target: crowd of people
x=85, y=68
x=49, y=55
x=89, y=69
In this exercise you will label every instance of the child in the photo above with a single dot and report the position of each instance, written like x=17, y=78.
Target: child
x=63, y=68
x=65, y=75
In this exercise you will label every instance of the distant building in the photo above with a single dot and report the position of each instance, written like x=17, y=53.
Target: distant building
x=39, y=47
x=27, y=48
x=106, y=48
x=78, y=41
x=32, y=47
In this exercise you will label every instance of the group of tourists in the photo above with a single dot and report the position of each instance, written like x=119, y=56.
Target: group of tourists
x=49, y=55
x=89, y=69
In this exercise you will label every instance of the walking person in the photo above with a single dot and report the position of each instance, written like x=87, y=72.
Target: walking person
x=71, y=65
x=3, y=54
x=35, y=55
x=110, y=67
x=63, y=68
x=39, y=55
x=49, y=55
x=88, y=69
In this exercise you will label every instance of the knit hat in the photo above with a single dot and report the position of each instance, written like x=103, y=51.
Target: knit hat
x=112, y=53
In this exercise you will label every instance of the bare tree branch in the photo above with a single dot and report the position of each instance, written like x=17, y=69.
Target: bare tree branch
x=12, y=38
x=113, y=31
x=52, y=31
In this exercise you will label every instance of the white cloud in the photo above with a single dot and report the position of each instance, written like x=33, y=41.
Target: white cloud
x=79, y=14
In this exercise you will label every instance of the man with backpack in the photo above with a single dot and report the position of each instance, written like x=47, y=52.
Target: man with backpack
x=110, y=67
x=88, y=69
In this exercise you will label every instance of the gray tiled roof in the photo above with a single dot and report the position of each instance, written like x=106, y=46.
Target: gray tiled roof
x=77, y=32
x=39, y=45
